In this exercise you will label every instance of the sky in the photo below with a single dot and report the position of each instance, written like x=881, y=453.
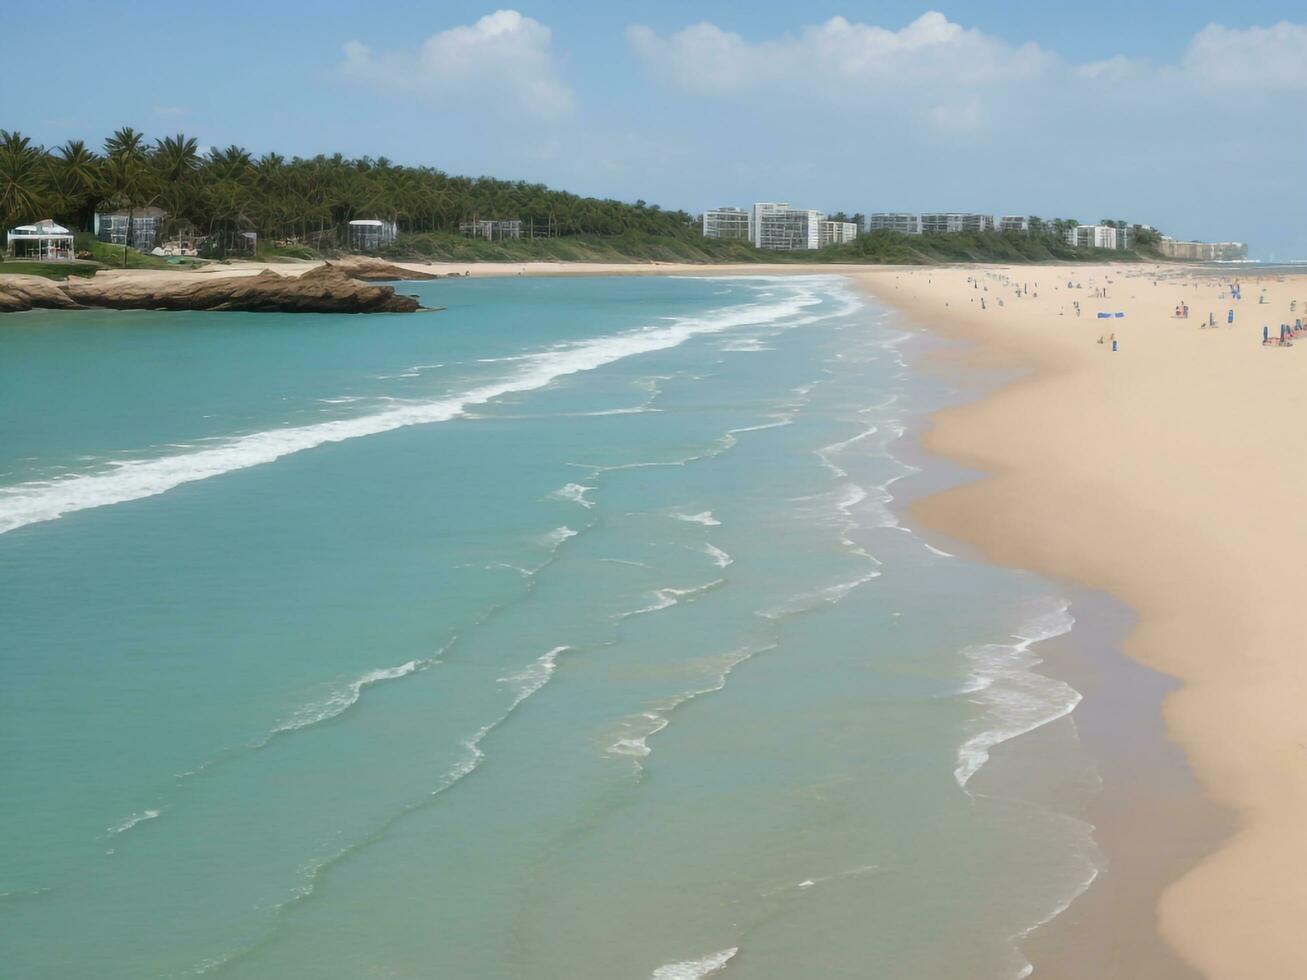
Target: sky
x=1190, y=117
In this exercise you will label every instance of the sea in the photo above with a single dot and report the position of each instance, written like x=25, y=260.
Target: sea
x=576, y=630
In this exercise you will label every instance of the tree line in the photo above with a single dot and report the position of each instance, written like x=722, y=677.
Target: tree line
x=230, y=190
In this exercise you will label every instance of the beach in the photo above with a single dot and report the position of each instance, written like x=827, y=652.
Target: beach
x=1167, y=473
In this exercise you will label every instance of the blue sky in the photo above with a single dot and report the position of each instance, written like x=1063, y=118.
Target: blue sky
x=1186, y=116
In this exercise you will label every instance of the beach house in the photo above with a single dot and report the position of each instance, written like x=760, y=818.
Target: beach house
x=42, y=240
x=370, y=234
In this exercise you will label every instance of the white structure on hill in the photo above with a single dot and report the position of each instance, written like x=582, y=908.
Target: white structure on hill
x=370, y=234
x=1092, y=236
x=836, y=232
x=137, y=227
x=904, y=224
x=956, y=221
x=1014, y=222
x=492, y=230
x=732, y=223
x=42, y=240
x=778, y=226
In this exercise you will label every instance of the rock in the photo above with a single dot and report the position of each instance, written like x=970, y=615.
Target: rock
x=376, y=270
x=19, y=293
x=325, y=289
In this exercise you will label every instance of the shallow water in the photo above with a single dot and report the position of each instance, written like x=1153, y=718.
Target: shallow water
x=566, y=633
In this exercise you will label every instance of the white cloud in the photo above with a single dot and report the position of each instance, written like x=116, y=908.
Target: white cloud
x=838, y=58
x=504, y=60
x=1259, y=57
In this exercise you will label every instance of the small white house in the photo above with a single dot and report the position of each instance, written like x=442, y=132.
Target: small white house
x=43, y=240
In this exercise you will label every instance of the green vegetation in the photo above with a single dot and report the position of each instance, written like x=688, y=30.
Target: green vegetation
x=300, y=207
x=49, y=270
x=892, y=248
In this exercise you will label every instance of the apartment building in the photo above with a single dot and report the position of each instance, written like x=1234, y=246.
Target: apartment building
x=956, y=221
x=836, y=232
x=1093, y=236
x=779, y=226
x=732, y=223
x=904, y=224
x=1014, y=222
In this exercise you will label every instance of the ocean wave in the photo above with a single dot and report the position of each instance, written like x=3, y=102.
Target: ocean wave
x=667, y=597
x=696, y=969
x=703, y=517
x=340, y=701
x=1014, y=698
x=720, y=558
x=132, y=821
x=134, y=479
x=574, y=493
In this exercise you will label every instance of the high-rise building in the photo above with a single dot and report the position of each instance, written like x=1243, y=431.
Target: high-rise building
x=836, y=232
x=1014, y=222
x=1092, y=236
x=956, y=221
x=1203, y=251
x=732, y=223
x=904, y=224
x=778, y=226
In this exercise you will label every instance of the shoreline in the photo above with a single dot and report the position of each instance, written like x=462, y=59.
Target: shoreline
x=1147, y=814
x=1150, y=475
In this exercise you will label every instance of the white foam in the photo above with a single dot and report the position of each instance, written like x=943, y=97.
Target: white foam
x=346, y=697
x=133, y=820
x=936, y=551
x=1014, y=698
x=575, y=493
x=667, y=597
x=553, y=539
x=705, y=518
x=720, y=558
x=134, y=479
x=696, y=969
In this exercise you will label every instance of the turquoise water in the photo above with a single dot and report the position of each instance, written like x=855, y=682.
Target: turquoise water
x=566, y=633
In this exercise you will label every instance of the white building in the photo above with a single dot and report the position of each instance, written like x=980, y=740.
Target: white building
x=956, y=221
x=836, y=232
x=778, y=226
x=1014, y=222
x=1203, y=251
x=370, y=234
x=1092, y=236
x=42, y=240
x=904, y=224
x=733, y=223
x=491, y=231
x=137, y=227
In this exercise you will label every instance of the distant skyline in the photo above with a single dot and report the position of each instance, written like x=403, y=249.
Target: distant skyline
x=1190, y=120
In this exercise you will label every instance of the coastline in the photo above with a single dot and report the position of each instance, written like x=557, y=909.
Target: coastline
x=1146, y=810
x=1166, y=452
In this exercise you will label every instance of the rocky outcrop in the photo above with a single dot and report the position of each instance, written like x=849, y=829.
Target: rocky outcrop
x=326, y=289
x=32, y=293
x=377, y=270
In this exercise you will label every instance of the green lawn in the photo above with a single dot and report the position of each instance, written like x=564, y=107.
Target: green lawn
x=50, y=270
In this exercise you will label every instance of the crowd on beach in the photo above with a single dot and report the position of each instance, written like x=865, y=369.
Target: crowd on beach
x=1232, y=291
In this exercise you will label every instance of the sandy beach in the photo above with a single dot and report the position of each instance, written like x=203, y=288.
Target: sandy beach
x=1167, y=474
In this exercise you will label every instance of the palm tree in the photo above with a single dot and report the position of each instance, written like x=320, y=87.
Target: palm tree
x=76, y=172
x=125, y=173
x=22, y=177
